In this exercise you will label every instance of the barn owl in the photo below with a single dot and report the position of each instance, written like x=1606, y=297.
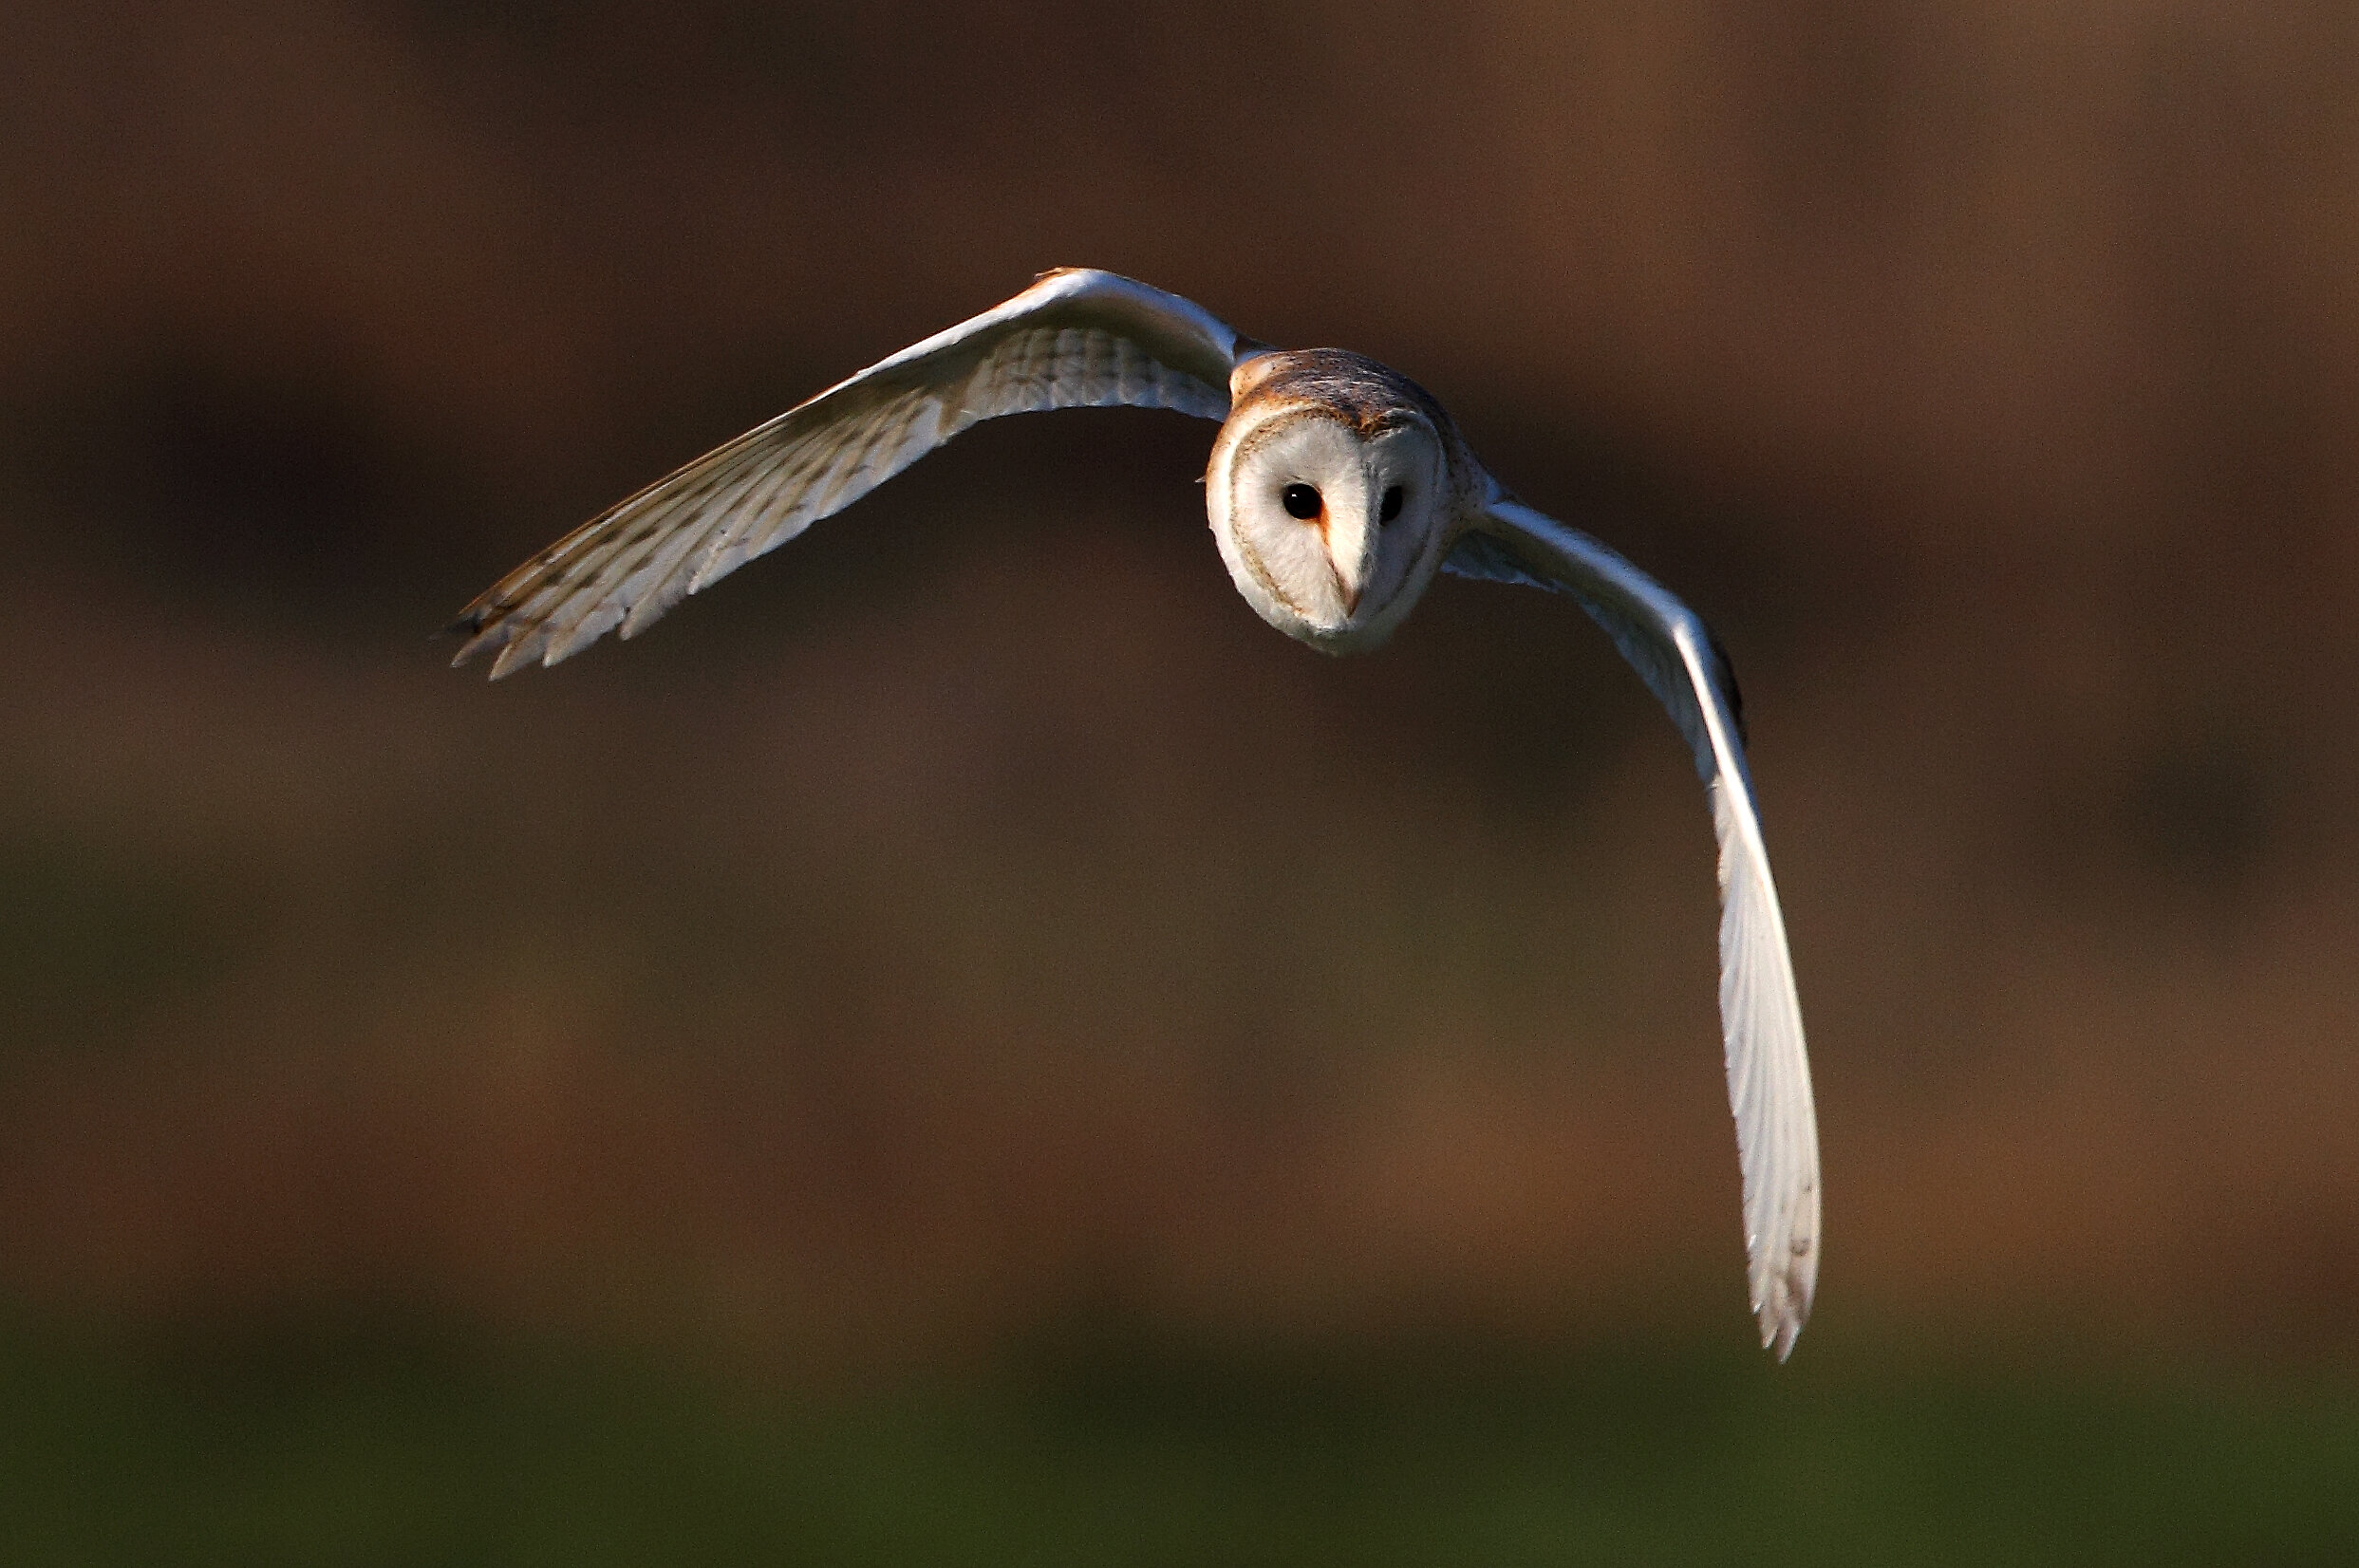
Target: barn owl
x=1337, y=488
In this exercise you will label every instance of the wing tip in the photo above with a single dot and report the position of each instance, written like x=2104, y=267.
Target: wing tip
x=483, y=635
x=478, y=641
x=486, y=628
x=1785, y=1307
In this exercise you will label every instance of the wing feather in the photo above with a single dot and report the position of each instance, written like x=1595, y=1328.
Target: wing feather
x=1768, y=1066
x=1075, y=339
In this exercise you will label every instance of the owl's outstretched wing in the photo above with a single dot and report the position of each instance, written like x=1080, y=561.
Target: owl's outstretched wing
x=1075, y=338
x=1760, y=1015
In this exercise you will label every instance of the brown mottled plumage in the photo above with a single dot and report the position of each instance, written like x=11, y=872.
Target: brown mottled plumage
x=1336, y=490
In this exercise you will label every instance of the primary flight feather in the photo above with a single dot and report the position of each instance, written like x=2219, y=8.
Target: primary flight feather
x=1337, y=491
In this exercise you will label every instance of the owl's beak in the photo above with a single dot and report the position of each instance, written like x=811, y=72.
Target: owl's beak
x=1350, y=555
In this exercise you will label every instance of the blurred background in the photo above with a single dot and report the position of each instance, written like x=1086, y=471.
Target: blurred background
x=838, y=1080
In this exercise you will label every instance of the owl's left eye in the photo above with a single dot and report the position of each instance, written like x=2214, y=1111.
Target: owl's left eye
x=1389, y=508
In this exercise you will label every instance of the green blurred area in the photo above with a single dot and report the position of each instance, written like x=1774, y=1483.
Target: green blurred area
x=327, y=1442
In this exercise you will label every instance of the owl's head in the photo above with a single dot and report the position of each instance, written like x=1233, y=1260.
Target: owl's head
x=1332, y=489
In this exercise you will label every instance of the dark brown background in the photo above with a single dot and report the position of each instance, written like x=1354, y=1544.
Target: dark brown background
x=973, y=916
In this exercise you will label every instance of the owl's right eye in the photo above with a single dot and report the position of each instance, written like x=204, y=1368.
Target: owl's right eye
x=1301, y=501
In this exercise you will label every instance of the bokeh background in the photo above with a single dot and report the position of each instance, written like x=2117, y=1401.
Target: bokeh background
x=962, y=1044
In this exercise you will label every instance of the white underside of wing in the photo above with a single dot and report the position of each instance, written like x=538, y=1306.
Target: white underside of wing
x=1768, y=1066
x=1768, y=1071
x=1075, y=340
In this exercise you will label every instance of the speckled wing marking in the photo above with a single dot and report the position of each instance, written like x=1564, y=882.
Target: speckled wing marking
x=1075, y=339
x=1760, y=1013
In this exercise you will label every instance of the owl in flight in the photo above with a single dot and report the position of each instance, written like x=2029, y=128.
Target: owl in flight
x=1336, y=489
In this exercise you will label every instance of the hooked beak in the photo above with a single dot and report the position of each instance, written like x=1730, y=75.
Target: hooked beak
x=1351, y=556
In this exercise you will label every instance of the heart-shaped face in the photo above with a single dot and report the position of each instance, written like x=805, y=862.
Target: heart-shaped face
x=1331, y=493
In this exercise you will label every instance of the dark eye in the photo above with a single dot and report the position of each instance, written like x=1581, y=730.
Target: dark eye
x=1390, y=508
x=1301, y=501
